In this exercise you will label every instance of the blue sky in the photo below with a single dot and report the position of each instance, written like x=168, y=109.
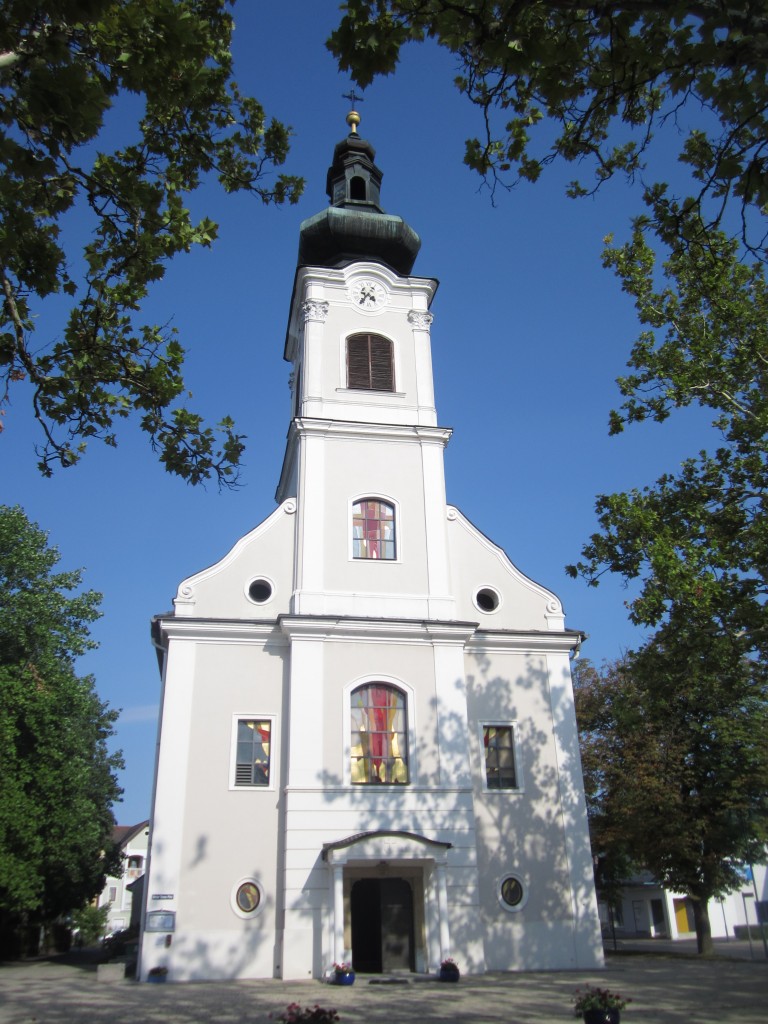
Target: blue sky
x=529, y=336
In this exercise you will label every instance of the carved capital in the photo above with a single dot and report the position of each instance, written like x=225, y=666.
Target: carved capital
x=315, y=309
x=419, y=320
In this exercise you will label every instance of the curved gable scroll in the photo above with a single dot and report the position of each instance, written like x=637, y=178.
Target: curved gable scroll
x=386, y=845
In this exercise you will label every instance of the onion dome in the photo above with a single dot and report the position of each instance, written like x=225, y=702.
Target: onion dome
x=355, y=227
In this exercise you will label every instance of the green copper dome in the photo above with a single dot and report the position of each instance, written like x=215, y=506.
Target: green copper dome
x=354, y=227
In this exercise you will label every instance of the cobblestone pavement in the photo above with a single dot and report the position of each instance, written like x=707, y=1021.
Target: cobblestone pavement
x=665, y=989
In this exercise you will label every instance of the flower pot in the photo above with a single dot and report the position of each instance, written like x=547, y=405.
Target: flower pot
x=601, y=1016
x=344, y=978
x=449, y=974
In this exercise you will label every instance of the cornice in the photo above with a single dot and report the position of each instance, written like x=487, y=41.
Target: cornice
x=218, y=630
x=310, y=427
x=362, y=630
x=524, y=641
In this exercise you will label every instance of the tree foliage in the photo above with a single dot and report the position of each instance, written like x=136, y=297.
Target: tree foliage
x=594, y=84
x=91, y=923
x=607, y=76
x=675, y=756
x=69, y=71
x=57, y=779
x=698, y=537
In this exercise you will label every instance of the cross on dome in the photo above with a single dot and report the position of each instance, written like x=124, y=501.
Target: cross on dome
x=353, y=118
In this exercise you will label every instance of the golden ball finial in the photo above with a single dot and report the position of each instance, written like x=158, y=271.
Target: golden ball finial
x=353, y=120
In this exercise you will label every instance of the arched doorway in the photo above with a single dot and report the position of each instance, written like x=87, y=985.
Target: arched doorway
x=382, y=925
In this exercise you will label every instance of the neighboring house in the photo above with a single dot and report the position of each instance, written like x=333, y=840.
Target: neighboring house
x=646, y=910
x=368, y=746
x=117, y=893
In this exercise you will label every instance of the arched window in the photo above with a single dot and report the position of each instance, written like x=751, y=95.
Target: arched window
x=373, y=529
x=379, y=743
x=357, y=188
x=369, y=363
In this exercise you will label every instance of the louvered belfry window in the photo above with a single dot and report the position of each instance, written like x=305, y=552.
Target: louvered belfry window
x=369, y=363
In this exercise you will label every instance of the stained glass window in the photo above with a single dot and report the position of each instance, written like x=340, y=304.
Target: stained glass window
x=512, y=891
x=499, y=741
x=248, y=897
x=373, y=530
x=379, y=746
x=253, y=749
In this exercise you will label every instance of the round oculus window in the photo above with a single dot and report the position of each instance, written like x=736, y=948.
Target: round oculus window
x=512, y=891
x=260, y=591
x=248, y=897
x=487, y=599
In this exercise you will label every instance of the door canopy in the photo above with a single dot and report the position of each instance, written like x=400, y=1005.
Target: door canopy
x=389, y=846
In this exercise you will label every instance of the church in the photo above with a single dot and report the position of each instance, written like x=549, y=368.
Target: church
x=367, y=744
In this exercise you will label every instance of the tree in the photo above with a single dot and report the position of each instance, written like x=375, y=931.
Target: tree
x=69, y=70
x=91, y=923
x=697, y=538
x=57, y=779
x=675, y=757
x=594, y=83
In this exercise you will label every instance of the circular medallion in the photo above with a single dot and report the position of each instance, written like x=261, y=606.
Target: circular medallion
x=368, y=294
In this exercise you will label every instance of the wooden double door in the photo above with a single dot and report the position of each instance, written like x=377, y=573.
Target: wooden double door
x=382, y=925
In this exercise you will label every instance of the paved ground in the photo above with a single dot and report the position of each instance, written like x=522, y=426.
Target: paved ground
x=664, y=988
x=737, y=949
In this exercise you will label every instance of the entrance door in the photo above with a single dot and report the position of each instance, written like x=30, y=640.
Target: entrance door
x=382, y=925
x=657, y=914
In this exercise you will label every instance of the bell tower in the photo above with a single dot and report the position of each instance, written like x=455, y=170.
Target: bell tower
x=364, y=423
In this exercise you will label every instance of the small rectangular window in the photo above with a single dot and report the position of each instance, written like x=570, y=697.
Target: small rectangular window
x=499, y=746
x=253, y=754
x=113, y=894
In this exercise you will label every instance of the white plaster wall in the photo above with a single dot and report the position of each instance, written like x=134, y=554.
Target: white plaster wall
x=222, y=835
x=339, y=466
x=358, y=468
x=537, y=833
x=477, y=562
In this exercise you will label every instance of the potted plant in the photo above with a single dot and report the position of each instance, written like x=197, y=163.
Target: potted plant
x=157, y=974
x=296, y=1014
x=449, y=970
x=598, y=1005
x=343, y=974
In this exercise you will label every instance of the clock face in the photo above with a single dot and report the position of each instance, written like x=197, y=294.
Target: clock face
x=368, y=294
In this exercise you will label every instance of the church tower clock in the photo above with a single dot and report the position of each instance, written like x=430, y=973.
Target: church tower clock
x=368, y=747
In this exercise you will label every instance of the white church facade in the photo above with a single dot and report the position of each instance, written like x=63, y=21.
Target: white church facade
x=368, y=748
